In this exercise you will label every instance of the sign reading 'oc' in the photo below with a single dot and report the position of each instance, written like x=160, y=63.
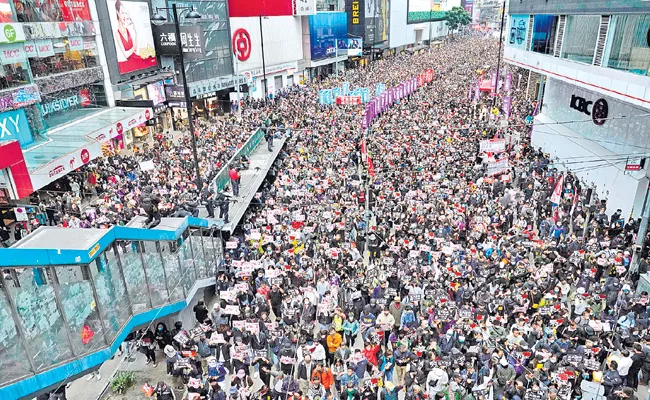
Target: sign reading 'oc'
x=598, y=110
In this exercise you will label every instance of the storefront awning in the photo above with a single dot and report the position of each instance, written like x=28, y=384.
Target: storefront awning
x=70, y=146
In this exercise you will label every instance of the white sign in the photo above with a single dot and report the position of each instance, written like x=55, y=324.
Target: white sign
x=304, y=7
x=493, y=146
x=115, y=130
x=147, y=165
x=21, y=214
x=498, y=167
x=12, y=33
x=12, y=53
x=63, y=165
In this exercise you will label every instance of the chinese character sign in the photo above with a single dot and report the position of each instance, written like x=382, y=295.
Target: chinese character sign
x=191, y=41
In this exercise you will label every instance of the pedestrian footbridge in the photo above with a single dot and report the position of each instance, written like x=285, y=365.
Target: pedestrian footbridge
x=69, y=297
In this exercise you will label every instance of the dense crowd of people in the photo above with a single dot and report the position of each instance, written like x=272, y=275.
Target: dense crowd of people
x=386, y=263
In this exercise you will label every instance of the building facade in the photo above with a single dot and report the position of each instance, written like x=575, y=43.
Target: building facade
x=594, y=61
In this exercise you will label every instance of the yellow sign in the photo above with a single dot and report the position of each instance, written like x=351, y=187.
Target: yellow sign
x=355, y=12
x=93, y=251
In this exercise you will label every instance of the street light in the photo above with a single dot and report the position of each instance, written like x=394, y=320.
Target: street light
x=159, y=19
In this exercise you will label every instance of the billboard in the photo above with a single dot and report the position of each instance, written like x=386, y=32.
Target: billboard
x=266, y=8
x=326, y=30
x=304, y=7
x=351, y=47
x=156, y=92
x=518, y=33
x=356, y=10
x=376, y=21
x=423, y=11
x=5, y=11
x=132, y=36
x=191, y=41
x=48, y=10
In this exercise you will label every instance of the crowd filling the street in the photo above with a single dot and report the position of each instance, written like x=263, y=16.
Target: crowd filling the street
x=387, y=262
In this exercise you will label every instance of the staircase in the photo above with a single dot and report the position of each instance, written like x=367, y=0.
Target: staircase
x=69, y=297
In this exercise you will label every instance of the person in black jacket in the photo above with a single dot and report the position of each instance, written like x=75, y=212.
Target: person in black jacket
x=164, y=392
x=200, y=311
x=150, y=205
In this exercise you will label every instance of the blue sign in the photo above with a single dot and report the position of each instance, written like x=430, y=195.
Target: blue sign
x=345, y=88
x=365, y=95
x=381, y=87
x=324, y=31
x=518, y=34
x=14, y=126
x=325, y=97
x=336, y=92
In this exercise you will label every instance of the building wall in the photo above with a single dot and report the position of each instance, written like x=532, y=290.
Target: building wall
x=597, y=153
x=579, y=6
x=403, y=34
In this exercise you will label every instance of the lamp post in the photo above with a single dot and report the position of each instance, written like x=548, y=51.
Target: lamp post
x=159, y=19
x=266, y=84
x=496, y=87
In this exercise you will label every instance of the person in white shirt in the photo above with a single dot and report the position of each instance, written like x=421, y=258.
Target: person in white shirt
x=624, y=364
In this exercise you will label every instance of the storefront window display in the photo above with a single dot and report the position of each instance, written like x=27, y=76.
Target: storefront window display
x=48, y=57
x=14, y=75
x=51, y=10
x=628, y=39
x=67, y=105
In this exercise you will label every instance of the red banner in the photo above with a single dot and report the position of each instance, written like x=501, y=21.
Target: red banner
x=75, y=10
x=348, y=100
x=420, y=80
x=428, y=75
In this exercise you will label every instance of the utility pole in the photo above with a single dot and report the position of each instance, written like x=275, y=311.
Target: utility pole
x=496, y=88
x=640, y=237
x=266, y=84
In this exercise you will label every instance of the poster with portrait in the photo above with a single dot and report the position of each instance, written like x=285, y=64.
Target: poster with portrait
x=132, y=35
x=5, y=11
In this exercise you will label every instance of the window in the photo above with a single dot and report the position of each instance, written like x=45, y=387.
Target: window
x=13, y=75
x=580, y=38
x=628, y=48
x=62, y=58
x=544, y=28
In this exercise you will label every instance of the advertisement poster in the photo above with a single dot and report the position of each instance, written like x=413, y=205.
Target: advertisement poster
x=75, y=10
x=191, y=41
x=156, y=92
x=423, y=11
x=132, y=36
x=350, y=47
x=326, y=31
x=356, y=10
x=376, y=21
x=5, y=11
x=518, y=33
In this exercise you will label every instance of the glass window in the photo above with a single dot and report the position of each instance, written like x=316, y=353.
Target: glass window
x=627, y=47
x=580, y=37
x=187, y=263
x=39, y=316
x=136, y=284
x=63, y=59
x=544, y=28
x=14, y=362
x=14, y=75
x=198, y=252
x=60, y=108
x=153, y=264
x=111, y=293
x=51, y=10
x=80, y=308
x=172, y=271
x=210, y=252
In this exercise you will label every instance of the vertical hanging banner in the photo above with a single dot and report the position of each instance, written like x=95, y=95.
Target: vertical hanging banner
x=506, y=104
x=507, y=84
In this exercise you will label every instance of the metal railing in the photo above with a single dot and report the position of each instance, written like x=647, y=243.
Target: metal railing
x=223, y=179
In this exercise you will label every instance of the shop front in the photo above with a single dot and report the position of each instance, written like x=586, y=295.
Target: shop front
x=597, y=137
x=60, y=108
x=212, y=97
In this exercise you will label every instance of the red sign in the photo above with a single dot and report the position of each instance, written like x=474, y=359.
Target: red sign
x=428, y=75
x=269, y=8
x=119, y=128
x=241, y=44
x=420, y=80
x=84, y=96
x=633, y=167
x=147, y=115
x=75, y=10
x=85, y=156
x=348, y=100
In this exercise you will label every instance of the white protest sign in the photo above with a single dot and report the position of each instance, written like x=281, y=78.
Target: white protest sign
x=493, y=146
x=498, y=167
